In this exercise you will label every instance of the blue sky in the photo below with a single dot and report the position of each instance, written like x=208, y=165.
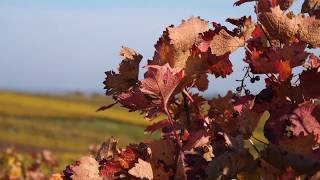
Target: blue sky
x=66, y=45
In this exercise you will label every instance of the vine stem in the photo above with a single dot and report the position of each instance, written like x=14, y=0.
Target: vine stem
x=172, y=127
x=265, y=33
x=181, y=154
x=186, y=94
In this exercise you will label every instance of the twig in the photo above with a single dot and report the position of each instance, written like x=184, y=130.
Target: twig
x=246, y=47
x=265, y=33
x=181, y=154
x=173, y=128
x=185, y=92
x=242, y=80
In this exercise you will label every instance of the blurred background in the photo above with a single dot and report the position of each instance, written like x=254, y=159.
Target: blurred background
x=53, y=55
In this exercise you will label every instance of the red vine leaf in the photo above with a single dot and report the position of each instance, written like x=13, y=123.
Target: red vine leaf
x=110, y=170
x=202, y=82
x=128, y=73
x=308, y=87
x=282, y=159
x=284, y=69
x=301, y=144
x=127, y=157
x=302, y=121
x=280, y=60
x=158, y=125
x=133, y=100
x=220, y=65
x=161, y=81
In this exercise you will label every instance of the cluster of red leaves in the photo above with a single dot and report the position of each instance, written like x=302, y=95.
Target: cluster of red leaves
x=215, y=139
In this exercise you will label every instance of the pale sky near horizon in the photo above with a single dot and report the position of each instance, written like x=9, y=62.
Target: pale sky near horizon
x=60, y=45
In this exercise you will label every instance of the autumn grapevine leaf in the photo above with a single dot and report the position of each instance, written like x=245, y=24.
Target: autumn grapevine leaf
x=161, y=81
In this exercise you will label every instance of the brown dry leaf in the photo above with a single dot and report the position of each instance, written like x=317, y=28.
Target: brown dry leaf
x=142, y=170
x=309, y=30
x=163, y=150
x=107, y=149
x=281, y=27
x=278, y=25
x=312, y=7
x=174, y=45
x=248, y=27
x=128, y=73
x=88, y=168
x=185, y=35
x=225, y=43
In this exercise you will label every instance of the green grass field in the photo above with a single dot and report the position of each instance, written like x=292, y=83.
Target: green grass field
x=67, y=124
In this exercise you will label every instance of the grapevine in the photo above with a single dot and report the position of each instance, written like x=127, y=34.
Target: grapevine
x=217, y=138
